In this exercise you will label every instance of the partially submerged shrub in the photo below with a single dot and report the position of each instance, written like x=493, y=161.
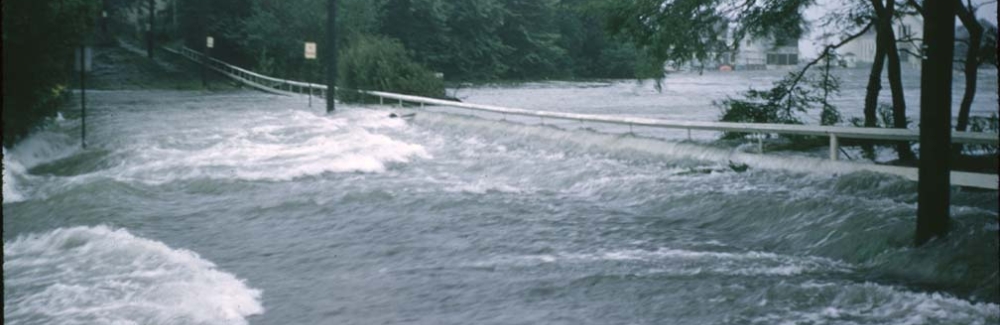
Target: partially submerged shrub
x=381, y=64
x=775, y=105
x=989, y=124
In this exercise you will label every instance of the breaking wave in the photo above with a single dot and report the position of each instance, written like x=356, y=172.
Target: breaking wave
x=98, y=275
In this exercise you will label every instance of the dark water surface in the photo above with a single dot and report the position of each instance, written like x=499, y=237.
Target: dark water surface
x=244, y=208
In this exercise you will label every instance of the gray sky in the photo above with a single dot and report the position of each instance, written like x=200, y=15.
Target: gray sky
x=809, y=47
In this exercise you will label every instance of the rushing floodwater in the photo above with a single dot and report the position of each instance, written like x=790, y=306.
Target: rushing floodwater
x=237, y=208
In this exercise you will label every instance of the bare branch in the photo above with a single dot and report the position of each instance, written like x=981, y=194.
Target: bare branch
x=907, y=51
x=826, y=53
x=916, y=6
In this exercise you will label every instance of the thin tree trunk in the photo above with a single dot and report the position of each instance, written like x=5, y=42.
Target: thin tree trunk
x=895, y=77
x=971, y=63
x=872, y=91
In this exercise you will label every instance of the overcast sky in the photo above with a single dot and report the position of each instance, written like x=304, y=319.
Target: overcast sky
x=810, y=47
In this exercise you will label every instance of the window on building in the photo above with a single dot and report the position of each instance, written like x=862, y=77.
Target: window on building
x=782, y=59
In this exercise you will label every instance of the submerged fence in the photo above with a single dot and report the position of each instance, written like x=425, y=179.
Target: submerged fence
x=834, y=133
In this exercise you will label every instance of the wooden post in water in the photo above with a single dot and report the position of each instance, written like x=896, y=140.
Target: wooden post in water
x=331, y=55
x=934, y=185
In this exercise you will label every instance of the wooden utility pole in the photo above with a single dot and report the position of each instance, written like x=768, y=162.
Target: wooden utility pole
x=331, y=55
x=934, y=186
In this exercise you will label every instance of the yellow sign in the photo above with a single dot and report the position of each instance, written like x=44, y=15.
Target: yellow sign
x=310, y=50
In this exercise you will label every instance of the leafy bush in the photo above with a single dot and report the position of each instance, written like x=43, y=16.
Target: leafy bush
x=379, y=63
x=775, y=105
x=989, y=124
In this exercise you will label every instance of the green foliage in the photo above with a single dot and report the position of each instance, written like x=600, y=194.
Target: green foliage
x=473, y=40
x=776, y=105
x=792, y=95
x=885, y=118
x=988, y=50
x=681, y=31
x=379, y=63
x=989, y=124
x=39, y=39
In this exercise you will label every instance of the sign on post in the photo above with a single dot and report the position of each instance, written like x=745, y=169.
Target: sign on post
x=209, y=42
x=310, y=50
x=87, y=60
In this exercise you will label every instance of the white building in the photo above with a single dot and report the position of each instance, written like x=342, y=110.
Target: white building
x=767, y=53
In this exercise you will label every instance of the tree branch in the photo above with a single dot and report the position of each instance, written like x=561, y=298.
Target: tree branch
x=916, y=6
x=826, y=53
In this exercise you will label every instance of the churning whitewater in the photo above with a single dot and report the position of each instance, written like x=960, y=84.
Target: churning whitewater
x=245, y=208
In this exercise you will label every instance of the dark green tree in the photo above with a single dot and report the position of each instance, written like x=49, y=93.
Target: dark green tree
x=39, y=40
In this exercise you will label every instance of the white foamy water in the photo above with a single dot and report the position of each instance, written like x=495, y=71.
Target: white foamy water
x=98, y=275
x=10, y=169
x=279, y=147
x=354, y=217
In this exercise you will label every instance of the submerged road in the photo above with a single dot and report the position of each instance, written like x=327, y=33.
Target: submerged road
x=244, y=208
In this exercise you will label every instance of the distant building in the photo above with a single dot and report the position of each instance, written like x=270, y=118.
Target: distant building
x=762, y=53
x=767, y=54
x=860, y=52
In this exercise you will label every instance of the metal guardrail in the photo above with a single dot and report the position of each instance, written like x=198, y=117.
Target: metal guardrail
x=834, y=133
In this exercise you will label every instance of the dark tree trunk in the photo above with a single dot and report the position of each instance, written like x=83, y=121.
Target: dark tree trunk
x=895, y=76
x=971, y=63
x=933, y=188
x=872, y=91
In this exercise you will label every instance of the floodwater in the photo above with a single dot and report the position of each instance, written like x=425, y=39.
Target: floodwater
x=245, y=208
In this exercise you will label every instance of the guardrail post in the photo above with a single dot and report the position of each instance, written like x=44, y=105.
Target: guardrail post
x=689, y=134
x=834, y=147
x=400, y=103
x=760, y=143
x=381, y=100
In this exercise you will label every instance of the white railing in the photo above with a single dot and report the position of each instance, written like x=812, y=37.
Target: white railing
x=834, y=133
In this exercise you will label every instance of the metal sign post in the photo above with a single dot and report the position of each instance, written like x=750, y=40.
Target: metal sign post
x=331, y=55
x=83, y=65
x=310, y=54
x=209, y=44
